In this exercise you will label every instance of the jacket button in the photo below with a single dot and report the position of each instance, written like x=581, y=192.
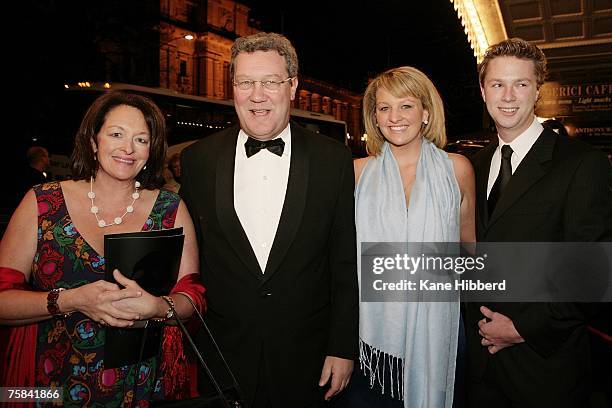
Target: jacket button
x=265, y=294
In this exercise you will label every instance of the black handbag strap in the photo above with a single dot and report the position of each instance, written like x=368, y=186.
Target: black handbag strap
x=233, y=404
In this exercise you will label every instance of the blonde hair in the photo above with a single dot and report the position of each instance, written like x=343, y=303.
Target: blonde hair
x=402, y=82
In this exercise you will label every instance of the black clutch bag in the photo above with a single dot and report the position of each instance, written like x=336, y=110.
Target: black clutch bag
x=225, y=397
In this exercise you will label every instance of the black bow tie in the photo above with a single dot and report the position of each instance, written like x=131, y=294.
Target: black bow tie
x=253, y=146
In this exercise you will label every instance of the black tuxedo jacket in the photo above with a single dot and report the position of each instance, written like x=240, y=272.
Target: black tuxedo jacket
x=559, y=192
x=304, y=307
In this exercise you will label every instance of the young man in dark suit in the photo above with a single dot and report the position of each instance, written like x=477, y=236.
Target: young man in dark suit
x=274, y=212
x=531, y=185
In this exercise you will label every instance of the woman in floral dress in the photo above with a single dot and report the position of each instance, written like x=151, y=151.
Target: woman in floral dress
x=52, y=287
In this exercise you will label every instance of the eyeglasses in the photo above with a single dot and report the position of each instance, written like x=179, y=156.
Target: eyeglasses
x=269, y=85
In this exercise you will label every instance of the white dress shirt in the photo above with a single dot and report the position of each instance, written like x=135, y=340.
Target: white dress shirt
x=520, y=147
x=260, y=185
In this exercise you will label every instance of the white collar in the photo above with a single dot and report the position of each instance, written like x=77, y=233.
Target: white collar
x=523, y=142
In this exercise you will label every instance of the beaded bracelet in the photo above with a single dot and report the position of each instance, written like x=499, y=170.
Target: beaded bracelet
x=52, y=305
x=169, y=313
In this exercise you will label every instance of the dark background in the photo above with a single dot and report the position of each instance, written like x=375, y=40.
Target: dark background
x=341, y=42
x=348, y=42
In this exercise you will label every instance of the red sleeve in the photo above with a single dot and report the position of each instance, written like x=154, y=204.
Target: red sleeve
x=180, y=374
x=193, y=287
x=17, y=343
x=12, y=279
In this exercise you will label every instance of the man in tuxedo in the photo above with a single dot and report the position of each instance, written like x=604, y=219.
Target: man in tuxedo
x=531, y=185
x=274, y=211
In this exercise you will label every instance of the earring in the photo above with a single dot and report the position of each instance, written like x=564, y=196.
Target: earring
x=425, y=122
x=145, y=167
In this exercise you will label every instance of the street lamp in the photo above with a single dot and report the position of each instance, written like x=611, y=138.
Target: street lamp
x=187, y=37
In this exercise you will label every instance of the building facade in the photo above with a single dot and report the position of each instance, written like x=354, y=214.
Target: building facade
x=576, y=37
x=195, y=47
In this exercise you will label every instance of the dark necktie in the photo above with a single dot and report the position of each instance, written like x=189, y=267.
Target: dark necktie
x=253, y=146
x=505, y=172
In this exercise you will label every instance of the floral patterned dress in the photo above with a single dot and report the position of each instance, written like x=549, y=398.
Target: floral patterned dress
x=70, y=352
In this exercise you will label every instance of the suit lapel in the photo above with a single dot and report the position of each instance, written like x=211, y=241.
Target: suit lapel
x=226, y=213
x=532, y=168
x=295, y=201
x=482, y=168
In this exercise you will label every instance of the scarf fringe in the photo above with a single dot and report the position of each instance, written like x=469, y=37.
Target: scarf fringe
x=374, y=363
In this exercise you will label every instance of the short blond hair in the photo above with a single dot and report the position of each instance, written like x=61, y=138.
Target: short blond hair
x=402, y=82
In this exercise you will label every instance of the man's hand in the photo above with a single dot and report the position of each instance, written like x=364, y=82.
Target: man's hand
x=339, y=369
x=497, y=331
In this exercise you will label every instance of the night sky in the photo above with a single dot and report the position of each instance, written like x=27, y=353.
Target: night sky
x=347, y=42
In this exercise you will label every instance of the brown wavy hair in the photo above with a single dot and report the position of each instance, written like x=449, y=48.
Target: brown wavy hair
x=83, y=163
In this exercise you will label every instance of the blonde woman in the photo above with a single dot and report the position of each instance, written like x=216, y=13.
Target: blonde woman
x=409, y=190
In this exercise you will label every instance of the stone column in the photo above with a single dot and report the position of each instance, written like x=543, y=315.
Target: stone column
x=209, y=89
x=327, y=105
x=315, y=102
x=337, y=109
x=304, y=99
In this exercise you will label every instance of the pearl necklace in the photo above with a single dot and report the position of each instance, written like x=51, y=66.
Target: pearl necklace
x=118, y=220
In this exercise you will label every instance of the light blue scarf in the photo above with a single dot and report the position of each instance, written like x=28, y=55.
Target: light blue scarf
x=415, y=341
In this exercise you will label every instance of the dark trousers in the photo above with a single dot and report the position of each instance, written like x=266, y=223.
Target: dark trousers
x=358, y=394
x=262, y=393
x=498, y=389
x=487, y=393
